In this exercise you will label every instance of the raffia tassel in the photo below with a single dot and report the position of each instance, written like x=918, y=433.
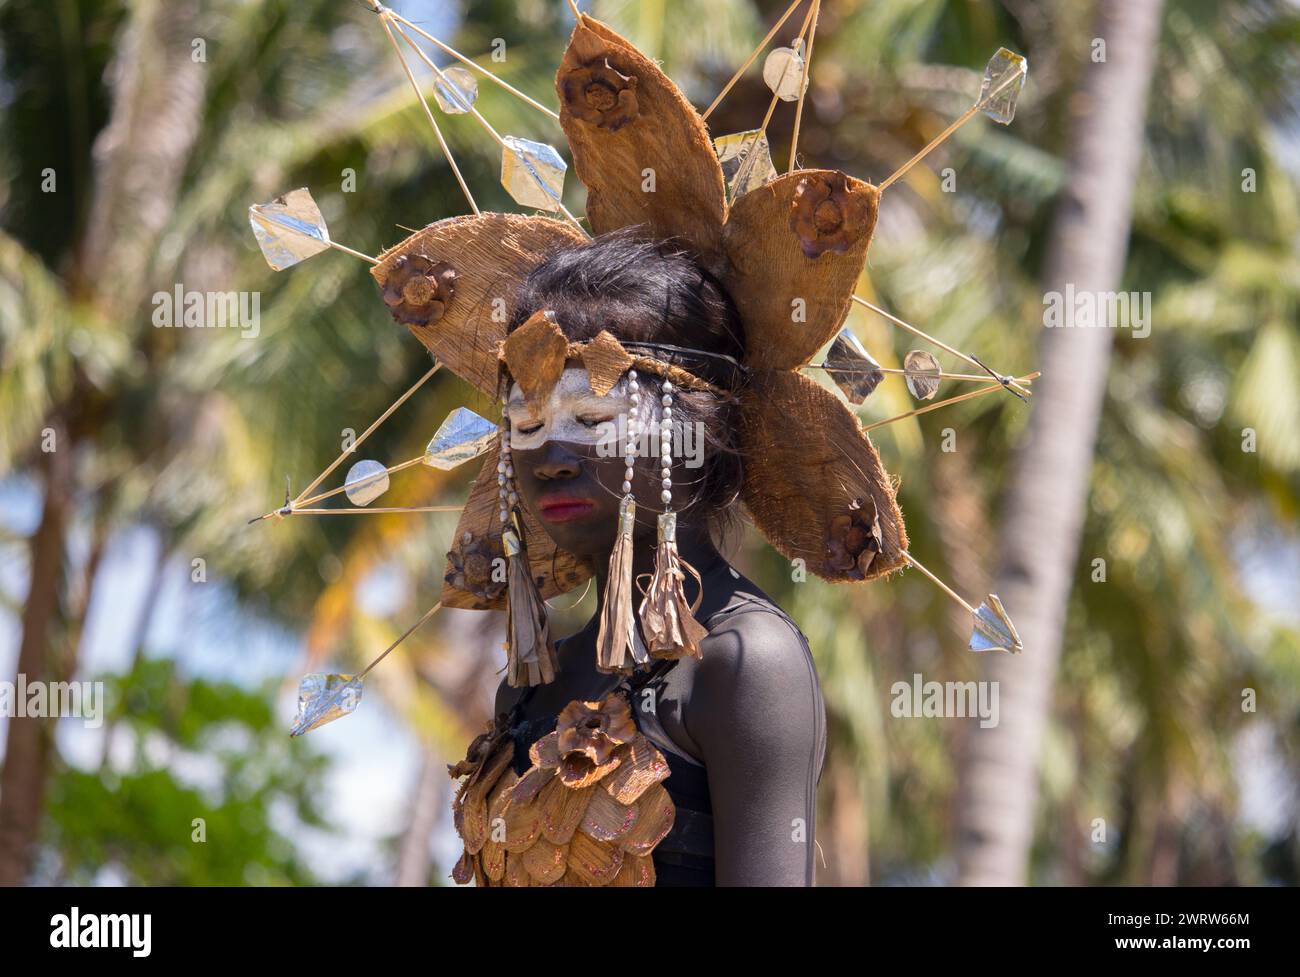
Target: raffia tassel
x=671, y=630
x=616, y=641
x=530, y=652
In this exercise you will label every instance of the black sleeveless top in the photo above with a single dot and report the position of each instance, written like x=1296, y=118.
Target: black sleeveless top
x=685, y=855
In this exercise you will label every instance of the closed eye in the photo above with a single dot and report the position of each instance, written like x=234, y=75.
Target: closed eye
x=594, y=421
x=529, y=428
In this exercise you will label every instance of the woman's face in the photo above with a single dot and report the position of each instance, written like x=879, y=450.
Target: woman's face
x=568, y=461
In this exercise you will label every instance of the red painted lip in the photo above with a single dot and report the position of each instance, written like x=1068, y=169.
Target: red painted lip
x=559, y=507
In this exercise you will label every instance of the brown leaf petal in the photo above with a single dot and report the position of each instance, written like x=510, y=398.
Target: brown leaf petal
x=464, y=869
x=516, y=874
x=641, y=766
x=577, y=770
x=562, y=810
x=606, y=819
x=545, y=752
x=545, y=861
x=523, y=824
x=655, y=815
x=595, y=862
x=493, y=859
x=474, y=820
x=636, y=870
x=533, y=780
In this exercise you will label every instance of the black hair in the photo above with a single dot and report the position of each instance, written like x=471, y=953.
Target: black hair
x=648, y=291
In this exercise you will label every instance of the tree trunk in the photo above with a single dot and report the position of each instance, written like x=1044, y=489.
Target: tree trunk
x=27, y=745
x=1044, y=507
x=414, y=860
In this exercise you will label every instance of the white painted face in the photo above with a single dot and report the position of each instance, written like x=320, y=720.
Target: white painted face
x=572, y=413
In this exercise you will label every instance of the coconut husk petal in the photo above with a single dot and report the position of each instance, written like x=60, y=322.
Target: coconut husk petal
x=808, y=465
x=795, y=248
x=655, y=816
x=490, y=254
x=606, y=361
x=606, y=819
x=562, y=810
x=642, y=765
x=535, y=355
x=620, y=129
x=594, y=862
x=467, y=580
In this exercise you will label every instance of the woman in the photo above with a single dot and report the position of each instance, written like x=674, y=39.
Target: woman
x=678, y=738
x=743, y=725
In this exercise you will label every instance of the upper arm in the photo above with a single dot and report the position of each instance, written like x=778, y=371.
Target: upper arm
x=756, y=713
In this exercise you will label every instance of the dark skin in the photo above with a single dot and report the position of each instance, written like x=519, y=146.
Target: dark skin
x=749, y=708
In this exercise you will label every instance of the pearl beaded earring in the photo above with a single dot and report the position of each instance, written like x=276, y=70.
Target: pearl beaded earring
x=530, y=651
x=671, y=630
x=618, y=638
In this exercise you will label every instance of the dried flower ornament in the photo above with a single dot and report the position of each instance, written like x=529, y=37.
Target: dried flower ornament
x=600, y=94
x=418, y=289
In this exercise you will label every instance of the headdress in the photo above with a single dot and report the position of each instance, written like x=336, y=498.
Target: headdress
x=788, y=249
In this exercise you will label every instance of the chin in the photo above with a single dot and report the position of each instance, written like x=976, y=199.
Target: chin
x=592, y=536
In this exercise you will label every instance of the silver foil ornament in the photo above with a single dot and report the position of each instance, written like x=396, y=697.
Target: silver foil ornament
x=1004, y=79
x=922, y=372
x=784, y=70
x=366, y=481
x=462, y=436
x=852, y=368
x=456, y=90
x=746, y=161
x=533, y=173
x=324, y=697
x=289, y=229
x=993, y=630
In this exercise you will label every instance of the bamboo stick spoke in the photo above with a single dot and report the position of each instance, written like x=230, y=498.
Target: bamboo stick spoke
x=756, y=52
x=1011, y=384
x=944, y=403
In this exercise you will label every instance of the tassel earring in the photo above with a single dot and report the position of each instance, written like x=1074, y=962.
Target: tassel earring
x=671, y=630
x=618, y=638
x=530, y=652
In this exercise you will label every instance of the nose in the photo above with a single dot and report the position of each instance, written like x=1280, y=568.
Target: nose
x=557, y=464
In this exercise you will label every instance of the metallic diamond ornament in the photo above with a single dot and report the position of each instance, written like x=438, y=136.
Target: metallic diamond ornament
x=852, y=368
x=746, y=161
x=993, y=629
x=456, y=90
x=783, y=71
x=366, y=481
x=462, y=436
x=324, y=697
x=1004, y=78
x=289, y=229
x=533, y=173
x=922, y=372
